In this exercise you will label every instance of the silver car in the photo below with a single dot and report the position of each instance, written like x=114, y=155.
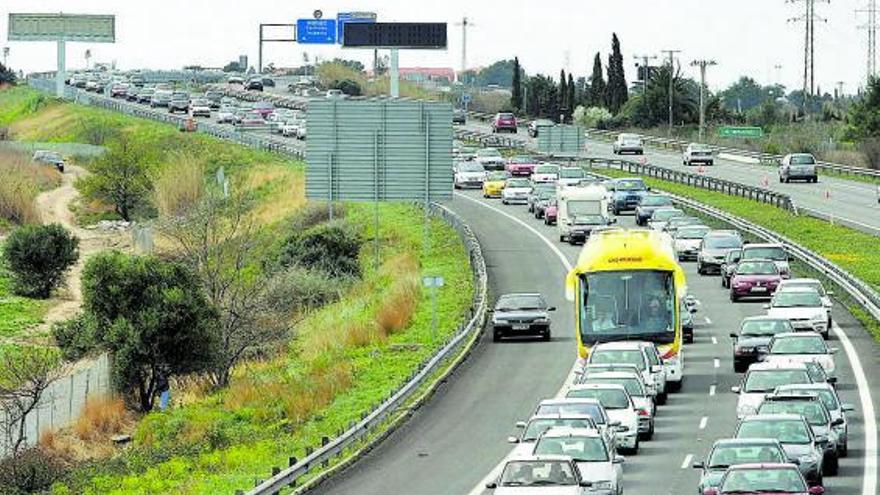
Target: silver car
x=595, y=460
x=628, y=143
x=697, y=153
x=795, y=436
x=798, y=166
x=537, y=475
x=828, y=395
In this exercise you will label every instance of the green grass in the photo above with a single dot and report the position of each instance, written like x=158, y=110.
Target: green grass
x=852, y=250
x=17, y=314
x=19, y=102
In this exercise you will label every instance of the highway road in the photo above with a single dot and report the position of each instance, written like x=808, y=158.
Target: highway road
x=852, y=201
x=452, y=444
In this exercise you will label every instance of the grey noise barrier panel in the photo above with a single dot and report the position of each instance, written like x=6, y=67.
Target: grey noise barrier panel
x=379, y=149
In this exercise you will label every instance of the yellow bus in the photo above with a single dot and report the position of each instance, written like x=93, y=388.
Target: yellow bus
x=628, y=285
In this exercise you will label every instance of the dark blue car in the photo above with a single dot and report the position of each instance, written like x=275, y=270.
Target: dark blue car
x=627, y=194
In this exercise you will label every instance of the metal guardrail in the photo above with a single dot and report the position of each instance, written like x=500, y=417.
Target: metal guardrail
x=369, y=423
x=678, y=145
x=759, y=194
x=462, y=338
x=489, y=140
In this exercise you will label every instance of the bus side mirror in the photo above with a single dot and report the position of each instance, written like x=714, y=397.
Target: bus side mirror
x=571, y=285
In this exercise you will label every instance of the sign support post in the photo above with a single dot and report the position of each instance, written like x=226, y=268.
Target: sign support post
x=394, y=74
x=62, y=67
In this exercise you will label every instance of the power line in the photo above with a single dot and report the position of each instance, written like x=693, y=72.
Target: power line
x=871, y=27
x=702, y=64
x=671, y=54
x=809, y=19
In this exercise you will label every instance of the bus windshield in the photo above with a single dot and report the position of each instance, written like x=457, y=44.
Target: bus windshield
x=620, y=305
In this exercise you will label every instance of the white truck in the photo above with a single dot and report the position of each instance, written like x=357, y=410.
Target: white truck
x=580, y=210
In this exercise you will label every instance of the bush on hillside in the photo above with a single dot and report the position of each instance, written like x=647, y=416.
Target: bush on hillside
x=331, y=247
x=300, y=289
x=38, y=257
x=31, y=471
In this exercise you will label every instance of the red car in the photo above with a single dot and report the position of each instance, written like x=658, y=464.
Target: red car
x=521, y=165
x=550, y=213
x=264, y=107
x=764, y=479
x=754, y=278
x=504, y=121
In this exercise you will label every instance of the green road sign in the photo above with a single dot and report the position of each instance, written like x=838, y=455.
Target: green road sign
x=741, y=132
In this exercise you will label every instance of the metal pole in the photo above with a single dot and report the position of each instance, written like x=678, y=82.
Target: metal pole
x=330, y=185
x=5, y=56
x=395, y=74
x=376, y=191
x=464, y=24
x=433, y=313
x=259, y=54
x=671, y=54
x=427, y=118
x=59, y=76
x=702, y=104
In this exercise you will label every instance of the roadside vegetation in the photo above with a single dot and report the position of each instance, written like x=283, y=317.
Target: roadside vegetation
x=269, y=324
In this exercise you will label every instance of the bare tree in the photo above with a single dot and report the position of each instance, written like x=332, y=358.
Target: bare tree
x=25, y=375
x=217, y=238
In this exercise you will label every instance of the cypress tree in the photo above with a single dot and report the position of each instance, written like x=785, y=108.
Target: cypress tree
x=563, y=95
x=616, y=92
x=572, y=99
x=596, y=93
x=516, y=94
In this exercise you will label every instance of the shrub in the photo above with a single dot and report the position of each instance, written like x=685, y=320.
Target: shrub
x=179, y=186
x=38, y=256
x=299, y=289
x=331, y=247
x=30, y=471
x=871, y=149
x=74, y=337
x=100, y=418
x=121, y=177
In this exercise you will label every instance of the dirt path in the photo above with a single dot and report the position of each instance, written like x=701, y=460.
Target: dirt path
x=54, y=207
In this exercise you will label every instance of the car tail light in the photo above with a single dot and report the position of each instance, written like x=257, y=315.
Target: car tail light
x=643, y=412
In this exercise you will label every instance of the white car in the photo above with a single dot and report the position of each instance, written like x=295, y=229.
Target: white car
x=226, y=114
x=199, y=107
x=628, y=143
x=803, y=307
x=687, y=241
x=815, y=284
x=637, y=353
x=546, y=172
x=597, y=463
x=301, y=130
x=538, y=424
x=289, y=128
x=469, y=174
x=802, y=347
x=631, y=380
x=516, y=191
x=697, y=153
x=762, y=379
x=591, y=407
x=661, y=216
x=541, y=475
x=490, y=159
x=620, y=408
x=571, y=176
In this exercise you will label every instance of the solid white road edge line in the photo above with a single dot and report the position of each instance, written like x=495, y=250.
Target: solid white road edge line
x=565, y=263
x=687, y=461
x=869, y=480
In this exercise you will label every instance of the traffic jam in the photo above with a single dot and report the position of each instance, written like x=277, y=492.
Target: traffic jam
x=633, y=318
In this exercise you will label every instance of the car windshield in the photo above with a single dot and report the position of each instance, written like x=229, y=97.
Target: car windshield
x=767, y=327
x=811, y=284
x=766, y=380
x=765, y=253
x=666, y=215
x=757, y=268
x=656, y=201
x=724, y=456
x=471, y=167
x=505, y=116
x=632, y=385
x=538, y=473
x=719, y=241
x=808, y=344
x=524, y=183
x=614, y=356
x=591, y=409
x=200, y=102
x=524, y=301
x=545, y=195
x=786, y=299
x=571, y=173
x=538, y=427
x=699, y=147
x=779, y=480
x=630, y=185
x=734, y=256
x=488, y=153
x=521, y=159
x=588, y=219
x=812, y=411
x=783, y=430
x=629, y=304
x=580, y=449
x=802, y=160
x=826, y=396
x=547, y=169
x=692, y=233
x=610, y=398
x=497, y=176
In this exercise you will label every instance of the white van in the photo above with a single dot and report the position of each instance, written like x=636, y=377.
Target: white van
x=580, y=210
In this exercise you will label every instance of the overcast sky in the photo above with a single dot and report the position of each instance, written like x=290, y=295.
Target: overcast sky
x=745, y=37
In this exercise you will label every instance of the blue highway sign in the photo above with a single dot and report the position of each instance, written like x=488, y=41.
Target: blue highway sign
x=316, y=31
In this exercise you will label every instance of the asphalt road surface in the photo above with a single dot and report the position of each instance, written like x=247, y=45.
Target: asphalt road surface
x=456, y=440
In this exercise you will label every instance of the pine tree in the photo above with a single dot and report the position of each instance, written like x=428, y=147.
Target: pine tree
x=516, y=96
x=596, y=93
x=572, y=99
x=616, y=92
x=563, y=95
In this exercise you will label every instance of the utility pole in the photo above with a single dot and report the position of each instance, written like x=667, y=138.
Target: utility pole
x=5, y=56
x=871, y=27
x=809, y=19
x=671, y=54
x=646, y=69
x=464, y=27
x=702, y=64
x=88, y=57
x=839, y=90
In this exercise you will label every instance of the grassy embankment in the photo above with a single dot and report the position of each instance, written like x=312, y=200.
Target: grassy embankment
x=342, y=360
x=853, y=250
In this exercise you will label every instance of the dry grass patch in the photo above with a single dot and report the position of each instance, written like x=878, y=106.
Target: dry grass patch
x=21, y=182
x=281, y=189
x=100, y=419
x=49, y=122
x=396, y=311
x=180, y=185
x=90, y=437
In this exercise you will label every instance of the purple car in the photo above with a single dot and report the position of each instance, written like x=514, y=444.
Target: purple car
x=521, y=165
x=754, y=278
